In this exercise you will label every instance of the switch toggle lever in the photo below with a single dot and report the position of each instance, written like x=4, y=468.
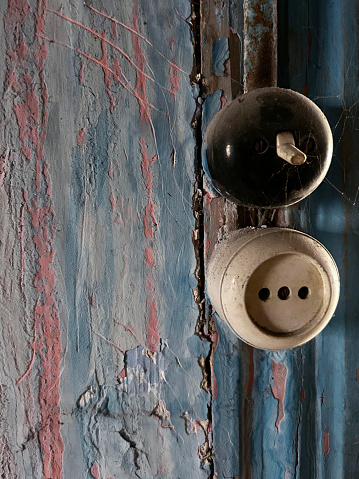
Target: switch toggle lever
x=287, y=150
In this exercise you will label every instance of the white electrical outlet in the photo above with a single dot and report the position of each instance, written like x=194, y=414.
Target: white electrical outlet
x=275, y=287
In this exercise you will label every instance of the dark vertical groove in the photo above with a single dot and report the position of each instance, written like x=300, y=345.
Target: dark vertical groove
x=205, y=327
x=198, y=235
x=283, y=44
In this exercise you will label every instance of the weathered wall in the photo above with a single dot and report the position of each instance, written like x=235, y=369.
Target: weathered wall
x=112, y=364
x=99, y=360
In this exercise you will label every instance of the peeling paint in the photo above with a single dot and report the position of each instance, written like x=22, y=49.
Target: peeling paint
x=144, y=370
x=280, y=372
x=326, y=447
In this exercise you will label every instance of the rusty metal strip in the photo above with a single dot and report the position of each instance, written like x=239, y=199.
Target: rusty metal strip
x=260, y=44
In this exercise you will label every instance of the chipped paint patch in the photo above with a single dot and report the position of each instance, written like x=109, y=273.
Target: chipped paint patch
x=326, y=447
x=86, y=397
x=144, y=370
x=95, y=471
x=162, y=414
x=220, y=55
x=278, y=389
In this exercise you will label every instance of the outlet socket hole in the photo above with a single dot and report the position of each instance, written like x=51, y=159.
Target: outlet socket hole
x=264, y=294
x=283, y=292
x=303, y=292
x=260, y=146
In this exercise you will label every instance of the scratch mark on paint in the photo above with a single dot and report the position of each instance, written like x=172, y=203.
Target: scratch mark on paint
x=278, y=389
x=131, y=90
x=172, y=41
x=81, y=137
x=131, y=330
x=95, y=471
x=174, y=156
x=357, y=376
x=326, y=447
x=104, y=39
x=110, y=342
x=28, y=369
x=136, y=32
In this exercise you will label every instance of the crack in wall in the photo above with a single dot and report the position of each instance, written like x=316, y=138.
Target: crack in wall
x=205, y=327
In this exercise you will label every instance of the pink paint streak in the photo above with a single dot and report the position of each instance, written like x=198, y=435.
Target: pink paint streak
x=95, y=471
x=302, y=395
x=150, y=223
x=278, y=389
x=172, y=41
x=81, y=72
x=113, y=202
x=131, y=330
x=149, y=219
x=223, y=102
x=140, y=62
x=326, y=447
x=153, y=336
x=174, y=79
x=357, y=375
x=161, y=470
x=81, y=137
x=32, y=116
x=149, y=257
x=111, y=343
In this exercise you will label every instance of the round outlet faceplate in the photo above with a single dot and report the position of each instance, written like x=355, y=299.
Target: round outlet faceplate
x=275, y=287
